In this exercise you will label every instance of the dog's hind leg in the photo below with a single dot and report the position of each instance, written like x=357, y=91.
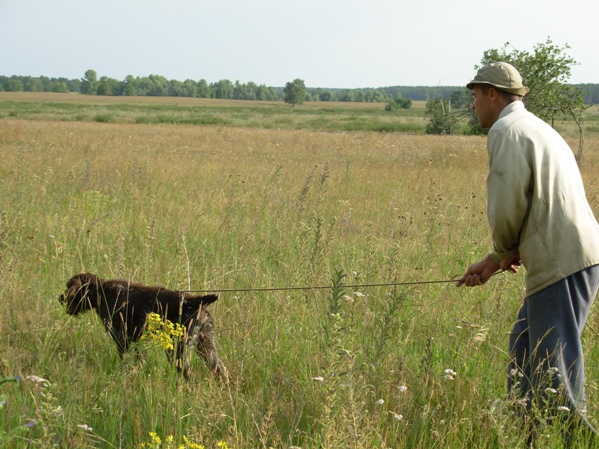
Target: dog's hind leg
x=206, y=347
x=185, y=348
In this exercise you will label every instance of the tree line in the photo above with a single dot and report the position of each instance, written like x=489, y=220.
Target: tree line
x=156, y=85
x=159, y=86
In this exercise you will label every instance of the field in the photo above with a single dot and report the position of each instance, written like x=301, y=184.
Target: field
x=300, y=202
x=194, y=111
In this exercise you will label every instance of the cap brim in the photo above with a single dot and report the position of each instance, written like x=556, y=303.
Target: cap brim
x=513, y=90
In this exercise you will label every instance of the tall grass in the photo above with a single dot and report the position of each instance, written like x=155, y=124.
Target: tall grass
x=187, y=207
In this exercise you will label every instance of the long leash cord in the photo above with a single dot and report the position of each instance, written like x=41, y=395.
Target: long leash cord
x=321, y=287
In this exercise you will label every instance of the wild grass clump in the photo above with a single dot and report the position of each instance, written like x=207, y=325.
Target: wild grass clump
x=103, y=118
x=194, y=208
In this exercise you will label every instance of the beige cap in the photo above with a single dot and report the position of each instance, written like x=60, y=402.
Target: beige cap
x=501, y=75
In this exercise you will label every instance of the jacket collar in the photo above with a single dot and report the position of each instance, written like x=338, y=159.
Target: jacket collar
x=517, y=105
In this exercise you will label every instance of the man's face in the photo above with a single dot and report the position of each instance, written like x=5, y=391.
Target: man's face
x=481, y=104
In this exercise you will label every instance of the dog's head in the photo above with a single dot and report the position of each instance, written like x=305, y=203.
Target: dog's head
x=79, y=290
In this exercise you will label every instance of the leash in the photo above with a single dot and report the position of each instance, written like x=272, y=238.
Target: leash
x=321, y=287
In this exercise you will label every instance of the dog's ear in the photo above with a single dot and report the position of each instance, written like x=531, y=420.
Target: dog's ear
x=75, y=279
x=73, y=287
x=77, y=296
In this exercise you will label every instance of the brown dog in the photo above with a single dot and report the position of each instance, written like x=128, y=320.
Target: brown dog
x=124, y=308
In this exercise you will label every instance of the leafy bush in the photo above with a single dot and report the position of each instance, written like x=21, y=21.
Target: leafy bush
x=399, y=103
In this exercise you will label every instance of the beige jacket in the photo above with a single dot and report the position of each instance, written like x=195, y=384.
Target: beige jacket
x=536, y=201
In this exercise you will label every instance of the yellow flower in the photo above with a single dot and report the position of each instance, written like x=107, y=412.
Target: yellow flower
x=190, y=445
x=162, y=332
x=155, y=438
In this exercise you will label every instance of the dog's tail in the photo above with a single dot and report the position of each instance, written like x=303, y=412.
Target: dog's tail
x=202, y=300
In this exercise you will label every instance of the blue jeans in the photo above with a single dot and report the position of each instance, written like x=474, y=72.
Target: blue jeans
x=545, y=346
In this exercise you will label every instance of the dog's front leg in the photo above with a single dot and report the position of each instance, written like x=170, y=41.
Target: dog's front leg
x=118, y=336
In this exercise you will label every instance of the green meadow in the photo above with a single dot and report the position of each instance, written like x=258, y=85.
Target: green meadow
x=241, y=196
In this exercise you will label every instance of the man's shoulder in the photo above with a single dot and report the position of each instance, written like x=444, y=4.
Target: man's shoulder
x=524, y=129
x=516, y=116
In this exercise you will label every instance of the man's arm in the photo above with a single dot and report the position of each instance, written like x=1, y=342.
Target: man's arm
x=480, y=272
x=508, y=193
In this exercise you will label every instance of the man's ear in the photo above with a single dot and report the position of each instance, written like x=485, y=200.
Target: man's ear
x=493, y=94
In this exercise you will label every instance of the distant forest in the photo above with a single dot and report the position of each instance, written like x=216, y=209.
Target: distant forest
x=159, y=86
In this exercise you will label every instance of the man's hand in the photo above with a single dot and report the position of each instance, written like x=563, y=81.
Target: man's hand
x=512, y=264
x=480, y=272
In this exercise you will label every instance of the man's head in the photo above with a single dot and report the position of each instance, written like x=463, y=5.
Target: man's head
x=494, y=87
x=502, y=76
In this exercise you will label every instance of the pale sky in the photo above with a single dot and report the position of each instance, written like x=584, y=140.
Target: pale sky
x=327, y=43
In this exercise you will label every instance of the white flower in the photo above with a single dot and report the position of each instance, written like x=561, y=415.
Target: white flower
x=359, y=294
x=450, y=372
x=85, y=427
x=380, y=402
x=402, y=388
x=318, y=379
x=398, y=417
x=481, y=335
x=551, y=390
x=563, y=408
x=448, y=377
x=516, y=372
x=37, y=380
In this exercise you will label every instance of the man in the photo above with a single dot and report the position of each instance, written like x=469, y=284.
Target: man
x=539, y=218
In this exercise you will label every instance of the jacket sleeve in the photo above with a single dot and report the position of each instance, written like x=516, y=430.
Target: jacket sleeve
x=508, y=192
